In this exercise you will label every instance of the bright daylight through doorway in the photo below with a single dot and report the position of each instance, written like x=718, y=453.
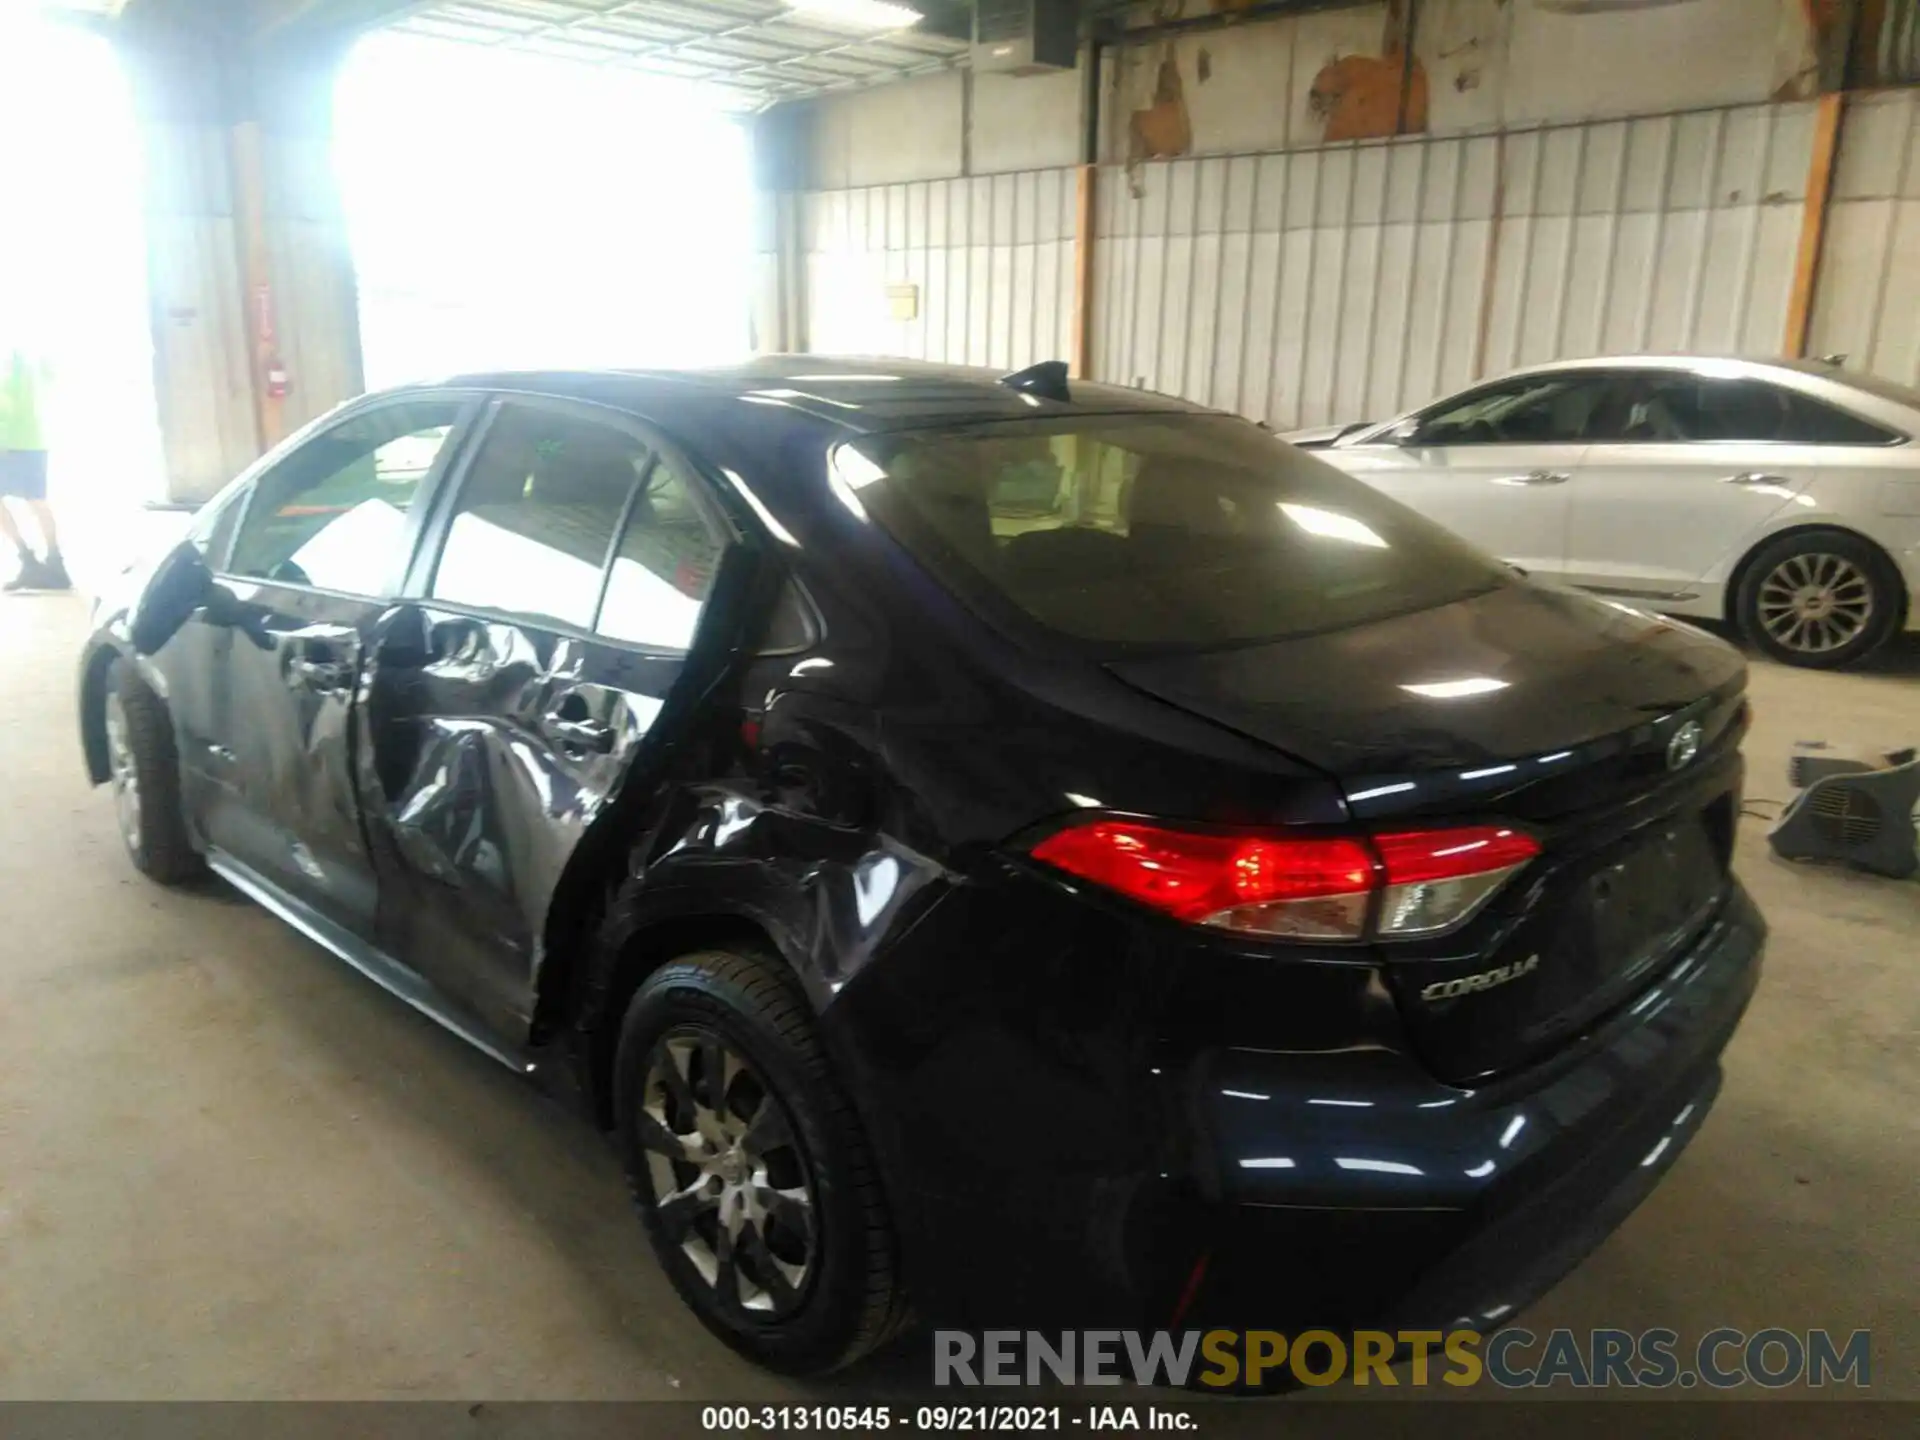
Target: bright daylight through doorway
x=512, y=211
x=73, y=279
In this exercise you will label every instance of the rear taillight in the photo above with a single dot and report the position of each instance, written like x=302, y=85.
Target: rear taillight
x=1297, y=888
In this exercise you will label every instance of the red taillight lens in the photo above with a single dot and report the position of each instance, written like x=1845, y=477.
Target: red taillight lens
x=1305, y=888
x=1310, y=887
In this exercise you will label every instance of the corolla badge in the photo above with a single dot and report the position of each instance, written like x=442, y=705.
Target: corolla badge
x=1485, y=980
x=1684, y=745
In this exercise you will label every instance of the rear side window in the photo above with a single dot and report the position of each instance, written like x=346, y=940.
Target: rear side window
x=537, y=514
x=332, y=514
x=1811, y=423
x=663, y=567
x=1180, y=532
x=1682, y=406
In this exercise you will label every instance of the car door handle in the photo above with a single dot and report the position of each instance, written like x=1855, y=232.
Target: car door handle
x=1754, y=477
x=319, y=674
x=1535, y=477
x=587, y=734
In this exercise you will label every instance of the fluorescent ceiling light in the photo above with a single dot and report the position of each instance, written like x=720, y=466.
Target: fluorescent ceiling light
x=860, y=14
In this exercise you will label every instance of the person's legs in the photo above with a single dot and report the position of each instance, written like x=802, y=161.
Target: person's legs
x=23, y=476
x=50, y=536
x=11, y=532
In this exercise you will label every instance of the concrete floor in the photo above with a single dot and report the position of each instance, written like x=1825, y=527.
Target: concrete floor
x=230, y=1167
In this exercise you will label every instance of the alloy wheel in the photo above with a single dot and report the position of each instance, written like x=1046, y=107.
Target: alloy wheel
x=124, y=774
x=1815, y=603
x=731, y=1184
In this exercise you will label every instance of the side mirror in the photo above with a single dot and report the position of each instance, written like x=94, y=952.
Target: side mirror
x=179, y=585
x=1407, y=432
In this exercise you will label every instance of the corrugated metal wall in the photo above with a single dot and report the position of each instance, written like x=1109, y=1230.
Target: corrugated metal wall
x=1351, y=281
x=991, y=260
x=1317, y=283
x=1867, y=303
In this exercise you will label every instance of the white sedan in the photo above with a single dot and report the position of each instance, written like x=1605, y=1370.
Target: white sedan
x=1780, y=495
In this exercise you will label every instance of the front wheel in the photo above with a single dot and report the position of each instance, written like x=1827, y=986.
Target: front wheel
x=750, y=1167
x=143, y=769
x=1820, y=598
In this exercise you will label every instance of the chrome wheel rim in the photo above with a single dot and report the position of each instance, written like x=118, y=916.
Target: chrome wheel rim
x=123, y=773
x=731, y=1186
x=1815, y=603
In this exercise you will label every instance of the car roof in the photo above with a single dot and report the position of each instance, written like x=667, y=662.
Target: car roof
x=860, y=395
x=1733, y=366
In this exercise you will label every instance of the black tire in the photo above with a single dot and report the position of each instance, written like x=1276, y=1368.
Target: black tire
x=851, y=1300
x=1871, y=579
x=140, y=745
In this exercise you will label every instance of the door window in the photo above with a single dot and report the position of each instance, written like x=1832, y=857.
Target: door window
x=663, y=567
x=537, y=515
x=1680, y=406
x=333, y=513
x=1533, y=410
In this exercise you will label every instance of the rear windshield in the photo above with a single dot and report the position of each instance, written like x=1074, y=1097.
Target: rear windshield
x=1184, y=531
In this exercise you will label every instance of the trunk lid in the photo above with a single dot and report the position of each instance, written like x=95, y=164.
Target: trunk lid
x=1609, y=735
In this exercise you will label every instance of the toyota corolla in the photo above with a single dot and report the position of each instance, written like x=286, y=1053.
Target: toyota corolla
x=1036, y=851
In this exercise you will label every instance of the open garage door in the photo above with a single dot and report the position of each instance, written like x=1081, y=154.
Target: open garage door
x=74, y=307
x=516, y=211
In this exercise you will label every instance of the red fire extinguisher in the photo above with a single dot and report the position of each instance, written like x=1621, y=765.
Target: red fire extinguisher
x=278, y=382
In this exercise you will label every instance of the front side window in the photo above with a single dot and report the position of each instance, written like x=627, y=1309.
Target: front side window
x=1180, y=531
x=213, y=527
x=537, y=513
x=1534, y=410
x=333, y=513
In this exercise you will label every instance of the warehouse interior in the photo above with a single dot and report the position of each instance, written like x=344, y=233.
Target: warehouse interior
x=230, y=1168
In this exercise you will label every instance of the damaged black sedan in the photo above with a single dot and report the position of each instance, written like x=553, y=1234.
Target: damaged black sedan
x=1038, y=851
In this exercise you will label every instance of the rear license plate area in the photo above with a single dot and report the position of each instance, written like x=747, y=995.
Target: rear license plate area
x=1649, y=899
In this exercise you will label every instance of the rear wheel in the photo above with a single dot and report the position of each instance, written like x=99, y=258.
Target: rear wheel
x=749, y=1165
x=1820, y=598
x=143, y=770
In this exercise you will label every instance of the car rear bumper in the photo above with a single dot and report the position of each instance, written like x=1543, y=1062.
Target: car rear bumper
x=1516, y=1183
x=1259, y=1189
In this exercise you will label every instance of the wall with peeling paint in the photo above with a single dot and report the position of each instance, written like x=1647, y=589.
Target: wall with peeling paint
x=1477, y=65
x=1264, y=85
x=1522, y=214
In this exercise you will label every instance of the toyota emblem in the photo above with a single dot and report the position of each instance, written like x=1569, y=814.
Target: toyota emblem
x=1684, y=745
